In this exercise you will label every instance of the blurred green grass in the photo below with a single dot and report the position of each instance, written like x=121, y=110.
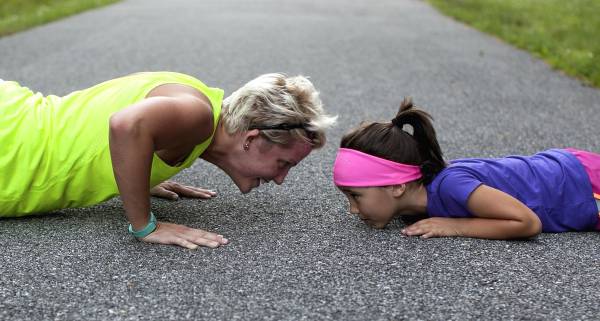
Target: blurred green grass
x=564, y=33
x=17, y=15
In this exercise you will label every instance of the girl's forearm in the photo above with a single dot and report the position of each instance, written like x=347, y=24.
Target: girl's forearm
x=498, y=215
x=498, y=229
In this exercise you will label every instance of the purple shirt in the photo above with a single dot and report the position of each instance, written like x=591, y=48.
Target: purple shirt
x=552, y=183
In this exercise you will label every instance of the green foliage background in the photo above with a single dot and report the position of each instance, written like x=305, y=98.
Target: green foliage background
x=17, y=15
x=565, y=33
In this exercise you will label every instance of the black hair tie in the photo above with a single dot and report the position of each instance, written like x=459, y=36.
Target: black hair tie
x=397, y=122
x=280, y=127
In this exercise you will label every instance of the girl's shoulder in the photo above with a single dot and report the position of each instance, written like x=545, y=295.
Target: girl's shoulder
x=455, y=181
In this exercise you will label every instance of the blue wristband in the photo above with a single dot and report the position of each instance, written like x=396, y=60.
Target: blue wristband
x=149, y=228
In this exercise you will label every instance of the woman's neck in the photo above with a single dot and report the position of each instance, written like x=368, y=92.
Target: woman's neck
x=219, y=151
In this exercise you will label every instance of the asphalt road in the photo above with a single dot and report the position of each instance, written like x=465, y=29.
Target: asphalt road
x=295, y=253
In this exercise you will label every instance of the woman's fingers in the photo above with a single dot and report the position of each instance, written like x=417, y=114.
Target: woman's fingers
x=169, y=194
x=203, y=238
x=172, y=190
x=204, y=235
x=184, y=243
x=160, y=191
x=195, y=192
x=169, y=233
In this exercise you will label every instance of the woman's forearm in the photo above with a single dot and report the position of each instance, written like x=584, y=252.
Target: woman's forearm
x=131, y=152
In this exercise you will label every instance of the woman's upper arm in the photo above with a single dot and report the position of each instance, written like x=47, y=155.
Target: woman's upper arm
x=168, y=120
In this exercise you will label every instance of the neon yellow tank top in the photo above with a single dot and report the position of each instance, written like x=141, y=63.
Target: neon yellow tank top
x=54, y=151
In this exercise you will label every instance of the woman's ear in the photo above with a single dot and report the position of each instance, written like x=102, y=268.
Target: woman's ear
x=398, y=190
x=249, y=136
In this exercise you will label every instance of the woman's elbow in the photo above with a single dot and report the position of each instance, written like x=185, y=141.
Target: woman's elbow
x=119, y=124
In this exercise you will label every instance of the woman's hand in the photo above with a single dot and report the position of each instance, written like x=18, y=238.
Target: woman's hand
x=175, y=234
x=433, y=227
x=173, y=191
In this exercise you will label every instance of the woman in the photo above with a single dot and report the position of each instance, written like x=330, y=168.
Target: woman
x=129, y=135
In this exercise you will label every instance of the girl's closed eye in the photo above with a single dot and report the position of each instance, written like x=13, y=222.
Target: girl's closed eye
x=350, y=193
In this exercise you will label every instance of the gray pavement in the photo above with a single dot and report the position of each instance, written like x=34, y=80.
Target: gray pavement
x=295, y=254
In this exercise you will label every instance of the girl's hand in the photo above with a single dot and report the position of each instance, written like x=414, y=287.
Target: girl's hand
x=172, y=190
x=433, y=227
x=496, y=215
x=175, y=234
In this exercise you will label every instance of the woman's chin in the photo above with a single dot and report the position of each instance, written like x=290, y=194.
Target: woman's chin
x=377, y=225
x=245, y=188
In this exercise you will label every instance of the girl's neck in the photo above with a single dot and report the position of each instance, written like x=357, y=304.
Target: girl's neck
x=416, y=201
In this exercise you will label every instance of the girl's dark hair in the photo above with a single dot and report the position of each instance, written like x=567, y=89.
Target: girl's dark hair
x=391, y=141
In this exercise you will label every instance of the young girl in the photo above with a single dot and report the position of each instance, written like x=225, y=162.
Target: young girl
x=396, y=168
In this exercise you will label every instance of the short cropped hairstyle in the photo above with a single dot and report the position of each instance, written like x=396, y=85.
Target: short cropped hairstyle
x=284, y=108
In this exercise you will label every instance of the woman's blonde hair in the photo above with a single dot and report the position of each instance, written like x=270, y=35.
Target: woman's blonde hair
x=284, y=108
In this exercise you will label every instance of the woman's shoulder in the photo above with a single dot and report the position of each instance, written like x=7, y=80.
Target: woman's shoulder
x=166, y=75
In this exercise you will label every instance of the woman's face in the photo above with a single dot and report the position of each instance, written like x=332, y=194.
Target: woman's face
x=264, y=161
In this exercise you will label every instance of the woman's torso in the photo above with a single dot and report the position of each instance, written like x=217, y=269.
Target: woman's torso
x=55, y=149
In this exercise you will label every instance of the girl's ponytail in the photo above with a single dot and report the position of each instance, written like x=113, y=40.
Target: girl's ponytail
x=424, y=133
x=415, y=146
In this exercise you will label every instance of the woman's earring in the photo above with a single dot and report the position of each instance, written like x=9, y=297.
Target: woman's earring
x=246, y=146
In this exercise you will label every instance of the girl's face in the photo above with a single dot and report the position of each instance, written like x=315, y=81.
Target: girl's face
x=376, y=206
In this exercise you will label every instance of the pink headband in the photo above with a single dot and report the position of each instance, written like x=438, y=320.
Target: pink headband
x=356, y=169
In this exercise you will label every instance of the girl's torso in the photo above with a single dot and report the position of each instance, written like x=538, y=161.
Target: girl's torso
x=552, y=183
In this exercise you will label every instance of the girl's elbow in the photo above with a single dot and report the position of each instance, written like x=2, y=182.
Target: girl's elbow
x=538, y=226
x=533, y=227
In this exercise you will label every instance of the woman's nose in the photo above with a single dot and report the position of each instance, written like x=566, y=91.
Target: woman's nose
x=281, y=177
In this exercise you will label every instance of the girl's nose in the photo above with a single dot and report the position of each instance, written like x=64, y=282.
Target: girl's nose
x=354, y=209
